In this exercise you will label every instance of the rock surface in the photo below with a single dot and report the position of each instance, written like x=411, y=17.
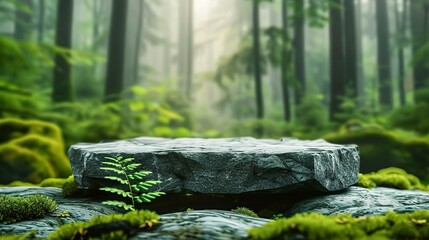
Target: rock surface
x=359, y=201
x=225, y=166
x=203, y=224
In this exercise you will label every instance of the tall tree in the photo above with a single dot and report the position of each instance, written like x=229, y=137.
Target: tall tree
x=285, y=62
x=256, y=60
x=419, y=14
x=400, y=29
x=116, y=51
x=23, y=19
x=185, y=45
x=138, y=41
x=41, y=21
x=62, y=82
x=360, y=82
x=336, y=44
x=299, y=49
x=350, y=45
x=383, y=55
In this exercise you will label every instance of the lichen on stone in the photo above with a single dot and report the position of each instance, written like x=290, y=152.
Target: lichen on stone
x=245, y=211
x=16, y=208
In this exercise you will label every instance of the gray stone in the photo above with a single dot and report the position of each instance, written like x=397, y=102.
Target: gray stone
x=359, y=201
x=80, y=209
x=201, y=224
x=225, y=166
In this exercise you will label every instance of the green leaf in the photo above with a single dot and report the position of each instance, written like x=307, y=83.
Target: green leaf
x=117, y=191
x=120, y=180
x=113, y=170
x=132, y=166
x=114, y=159
x=126, y=160
x=120, y=204
x=119, y=166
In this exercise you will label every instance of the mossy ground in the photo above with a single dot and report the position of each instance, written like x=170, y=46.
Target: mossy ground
x=315, y=226
x=380, y=148
x=31, y=151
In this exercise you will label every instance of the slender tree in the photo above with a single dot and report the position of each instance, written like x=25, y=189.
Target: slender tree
x=360, y=82
x=256, y=61
x=41, y=21
x=116, y=51
x=285, y=62
x=383, y=54
x=400, y=29
x=336, y=44
x=419, y=14
x=23, y=18
x=185, y=45
x=138, y=41
x=190, y=48
x=299, y=50
x=62, y=82
x=350, y=44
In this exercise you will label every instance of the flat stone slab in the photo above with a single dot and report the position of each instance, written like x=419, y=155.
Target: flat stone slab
x=225, y=165
x=198, y=224
x=359, y=201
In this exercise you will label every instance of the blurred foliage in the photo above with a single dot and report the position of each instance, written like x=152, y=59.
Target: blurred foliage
x=380, y=148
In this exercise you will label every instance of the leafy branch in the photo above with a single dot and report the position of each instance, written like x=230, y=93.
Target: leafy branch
x=126, y=171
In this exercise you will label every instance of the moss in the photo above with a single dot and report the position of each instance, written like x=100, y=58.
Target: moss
x=14, y=209
x=18, y=163
x=391, y=177
x=31, y=151
x=317, y=226
x=53, y=182
x=29, y=235
x=380, y=148
x=70, y=187
x=137, y=220
x=245, y=211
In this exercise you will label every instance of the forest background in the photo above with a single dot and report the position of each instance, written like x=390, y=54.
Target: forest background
x=348, y=71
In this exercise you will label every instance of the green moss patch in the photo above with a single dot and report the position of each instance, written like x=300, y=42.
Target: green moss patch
x=15, y=209
x=31, y=151
x=317, y=226
x=245, y=211
x=380, y=148
x=114, y=226
x=391, y=177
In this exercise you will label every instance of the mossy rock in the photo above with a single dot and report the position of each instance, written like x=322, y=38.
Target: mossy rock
x=380, y=148
x=314, y=226
x=391, y=177
x=31, y=151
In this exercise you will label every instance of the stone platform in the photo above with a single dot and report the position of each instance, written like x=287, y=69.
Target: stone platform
x=225, y=165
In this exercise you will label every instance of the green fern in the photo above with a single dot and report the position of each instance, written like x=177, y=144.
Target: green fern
x=126, y=171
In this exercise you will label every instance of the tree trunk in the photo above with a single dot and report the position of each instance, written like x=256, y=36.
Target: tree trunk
x=62, y=82
x=256, y=62
x=285, y=62
x=138, y=42
x=419, y=30
x=383, y=55
x=299, y=50
x=360, y=81
x=41, y=22
x=350, y=45
x=23, y=20
x=190, y=49
x=116, y=51
x=400, y=29
x=336, y=45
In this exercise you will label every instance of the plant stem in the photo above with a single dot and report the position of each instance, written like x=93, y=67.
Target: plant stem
x=129, y=186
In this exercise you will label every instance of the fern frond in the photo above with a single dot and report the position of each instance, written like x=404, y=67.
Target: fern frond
x=116, y=165
x=139, y=175
x=120, y=204
x=118, y=171
x=117, y=191
x=126, y=160
x=137, y=187
x=117, y=179
x=116, y=160
x=148, y=197
x=132, y=166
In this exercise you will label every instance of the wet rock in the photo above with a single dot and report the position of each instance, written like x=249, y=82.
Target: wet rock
x=201, y=224
x=225, y=166
x=359, y=201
